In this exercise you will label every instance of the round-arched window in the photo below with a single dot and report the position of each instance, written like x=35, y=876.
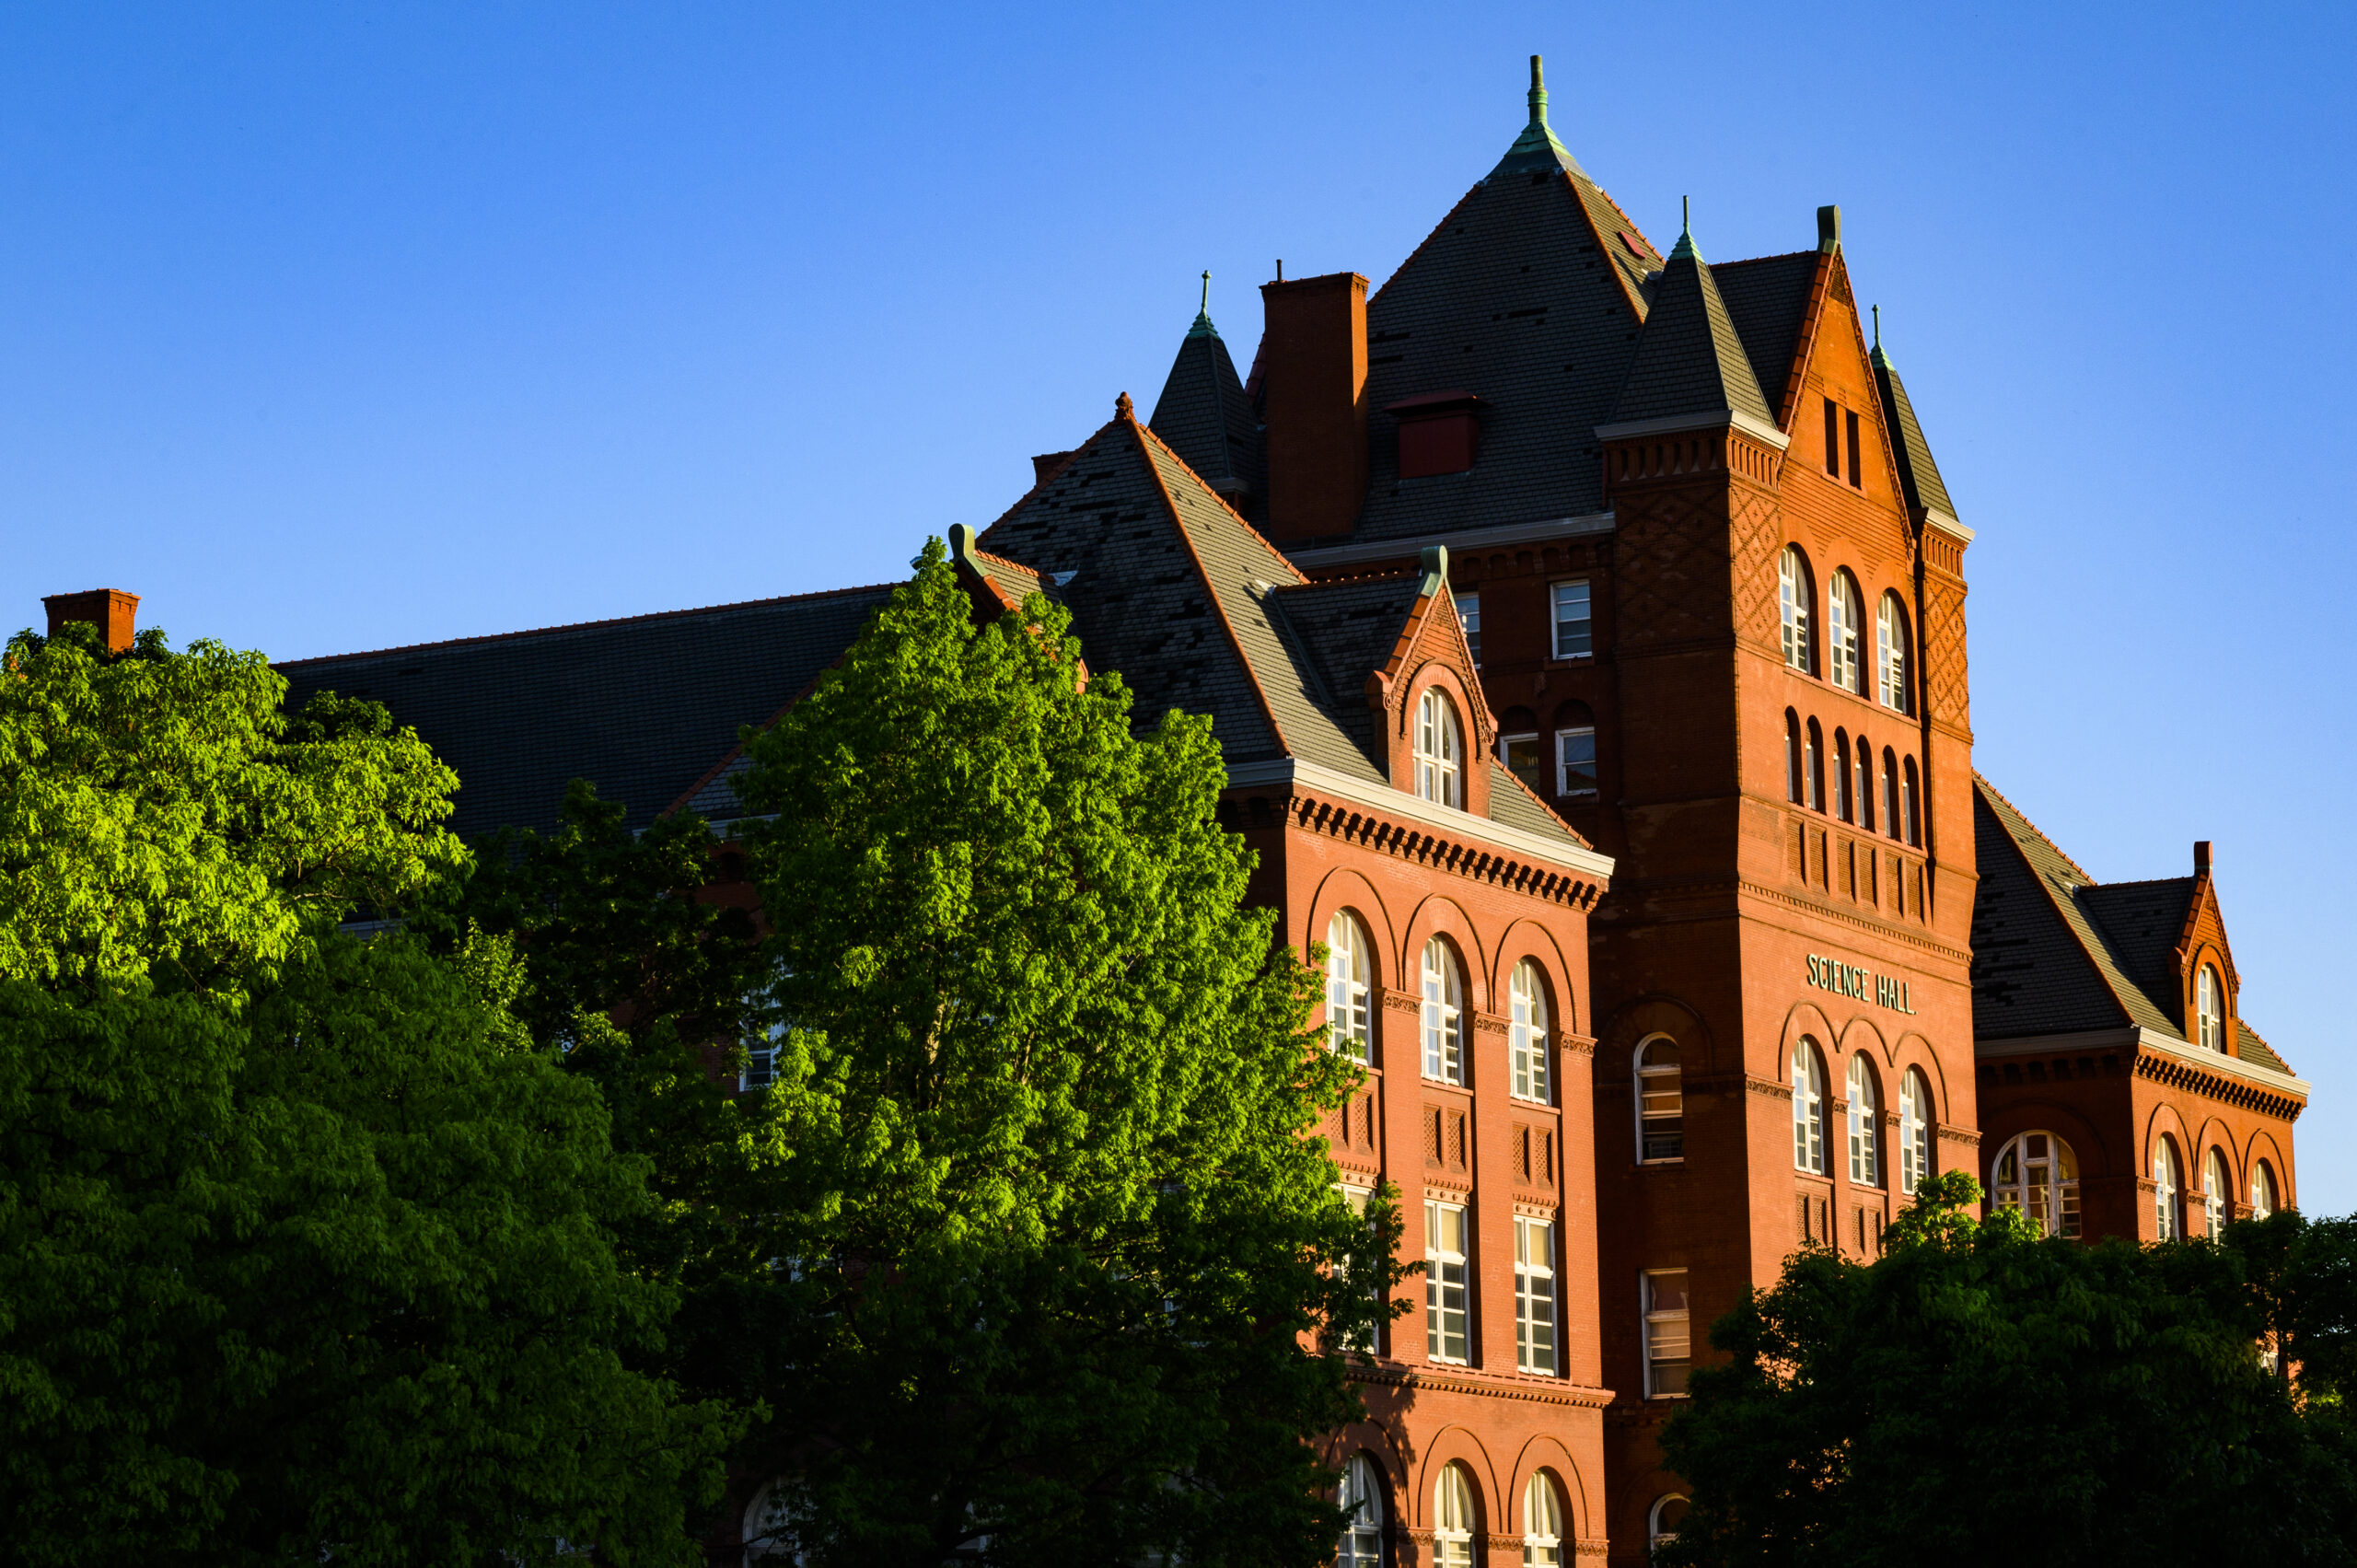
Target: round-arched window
x=2168, y=1190
x=2036, y=1173
x=1865, y=1124
x=768, y=1530
x=1661, y=1101
x=1542, y=1524
x=1362, y=1501
x=1808, y=1109
x=1843, y=627
x=2210, y=1010
x=1527, y=1039
x=1347, y=1023
x=1663, y=1519
x=1914, y=1130
x=2262, y=1189
x=1890, y=653
x=1794, y=593
x=2214, y=1188
x=1443, y=1005
x=1452, y=1519
x=1440, y=749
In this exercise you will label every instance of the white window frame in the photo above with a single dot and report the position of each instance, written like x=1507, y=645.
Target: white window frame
x=1914, y=1130
x=1656, y=1535
x=2040, y=1179
x=1440, y=749
x=1452, y=1518
x=1469, y=617
x=1892, y=661
x=1808, y=1109
x=1792, y=598
x=1360, y=1498
x=1526, y=1034
x=1657, y=1103
x=1862, y=782
x=1349, y=1026
x=2209, y=1009
x=1665, y=1329
x=1563, y=774
x=1865, y=1125
x=2168, y=1190
x=1448, y=1305
x=1536, y=1318
x=1572, y=636
x=2215, y=1184
x=760, y=1059
x=1536, y=777
x=1843, y=613
x=2263, y=1196
x=1542, y=1523
x=1441, y=1014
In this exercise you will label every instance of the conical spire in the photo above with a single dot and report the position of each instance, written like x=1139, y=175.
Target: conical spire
x=1536, y=147
x=1204, y=416
x=1919, y=475
x=1690, y=360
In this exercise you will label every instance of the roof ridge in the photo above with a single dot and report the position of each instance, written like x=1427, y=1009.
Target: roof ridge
x=1041, y=483
x=1408, y=575
x=2141, y=881
x=1755, y=261
x=1982, y=779
x=577, y=626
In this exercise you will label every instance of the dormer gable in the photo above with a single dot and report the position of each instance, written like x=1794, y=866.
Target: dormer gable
x=1430, y=657
x=1832, y=406
x=2202, y=944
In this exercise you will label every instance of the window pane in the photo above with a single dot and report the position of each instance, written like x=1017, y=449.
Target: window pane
x=1523, y=760
x=1572, y=638
x=1469, y=612
x=1576, y=760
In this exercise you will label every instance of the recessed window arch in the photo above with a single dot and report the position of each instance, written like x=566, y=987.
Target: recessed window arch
x=2168, y=1190
x=1910, y=806
x=2216, y=1185
x=1890, y=815
x=1663, y=1519
x=1891, y=662
x=1527, y=1032
x=1661, y=1101
x=1813, y=766
x=1840, y=792
x=1914, y=1130
x=1865, y=1124
x=1362, y=1501
x=1844, y=625
x=2210, y=1009
x=1443, y=1012
x=768, y=1535
x=1348, y=966
x=1542, y=1523
x=1861, y=784
x=2263, y=1197
x=1795, y=765
x=1794, y=593
x=1809, y=1107
x=2036, y=1173
x=1440, y=749
x=1452, y=1518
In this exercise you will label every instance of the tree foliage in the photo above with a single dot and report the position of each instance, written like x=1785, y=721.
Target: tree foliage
x=304, y=1244
x=1981, y=1394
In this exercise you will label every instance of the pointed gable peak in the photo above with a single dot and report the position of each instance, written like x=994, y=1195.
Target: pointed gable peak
x=1690, y=368
x=1918, y=474
x=1206, y=416
x=1202, y=327
x=1536, y=147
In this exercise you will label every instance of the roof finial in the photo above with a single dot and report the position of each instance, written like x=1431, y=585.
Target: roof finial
x=1537, y=93
x=1686, y=214
x=1878, y=326
x=1202, y=327
x=1123, y=409
x=1685, y=246
x=1207, y=292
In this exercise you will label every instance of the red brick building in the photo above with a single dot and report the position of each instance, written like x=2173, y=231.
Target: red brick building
x=1585, y=629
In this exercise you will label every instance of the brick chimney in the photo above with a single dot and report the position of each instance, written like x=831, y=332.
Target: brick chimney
x=111, y=610
x=1314, y=386
x=2201, y=857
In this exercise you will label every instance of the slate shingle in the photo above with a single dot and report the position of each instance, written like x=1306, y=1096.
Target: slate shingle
x=1689, y=359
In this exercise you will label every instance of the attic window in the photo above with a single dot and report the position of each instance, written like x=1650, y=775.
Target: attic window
x=2209, y=1009
x=1439, y=432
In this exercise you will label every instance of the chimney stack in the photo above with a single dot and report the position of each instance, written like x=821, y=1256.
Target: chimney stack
x=2201, y=857
x=1314, y=391
x=112, y=611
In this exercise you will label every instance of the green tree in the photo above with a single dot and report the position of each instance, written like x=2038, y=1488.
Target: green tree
x=1981, y=1394
x=2303, y=1276
x=304, y=1244
x=1053, y=1269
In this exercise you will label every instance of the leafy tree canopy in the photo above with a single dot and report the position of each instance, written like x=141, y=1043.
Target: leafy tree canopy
x=1981, y=1394
x=304, y=1245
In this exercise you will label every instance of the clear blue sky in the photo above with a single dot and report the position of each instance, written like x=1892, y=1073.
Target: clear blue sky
x=332, y=327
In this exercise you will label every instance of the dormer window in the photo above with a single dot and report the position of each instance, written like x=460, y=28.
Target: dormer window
x=2209, y=1010
x=1439, y=432
x=1440, y=749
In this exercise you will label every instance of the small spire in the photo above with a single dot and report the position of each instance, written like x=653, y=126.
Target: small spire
x=1877, y=327
x=1124, y=408
x=1537, y=93
x=1685, y=246
x=1202, y=327
x=1536, y=149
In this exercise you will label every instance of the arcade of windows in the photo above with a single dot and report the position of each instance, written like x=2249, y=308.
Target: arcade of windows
x=1863, y=1126
x=1456, y=1519
x=1858, y=794
x=2036, y=1174
x=1853, y=790
x=1440, y=1014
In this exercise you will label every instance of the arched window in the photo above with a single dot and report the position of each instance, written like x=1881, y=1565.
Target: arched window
x=2036, y=1173
x=1890, y=818
x=2210, y=1010
x=1813, y=766
x=1914, y=1130
x=1362, y=1499
x=768, y=1535
x=1443, y=1001
x=2214, y=1188
x=1661, y=1101
x=1865, y=1124
x=2262, y=1190
x=1843, y=624
x=1542, y=1524
x=1346, y=970
x=1841, y=807
x=1527, y=1003
x=1795, y=766
x=1890, y=653
x=1662, y=1521
x=1863, y=787
x=1809, y=1107
x=1440, y=749
x=1793, y=596
x=1908, y=807
x=1452, y=1519
x=2168, y=1190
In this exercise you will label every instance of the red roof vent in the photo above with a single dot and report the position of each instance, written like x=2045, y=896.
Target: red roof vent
x=1631, y=241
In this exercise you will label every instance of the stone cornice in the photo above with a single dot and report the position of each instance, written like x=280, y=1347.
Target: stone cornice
x=1408, y=548
x=2176, y=1063
x=1462, y=1381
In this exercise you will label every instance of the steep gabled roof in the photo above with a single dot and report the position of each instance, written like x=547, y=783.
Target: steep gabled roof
x=1690, y=361
x=1204, y=416
x=640, y=707
x=1919, y=476
x=1767, y=298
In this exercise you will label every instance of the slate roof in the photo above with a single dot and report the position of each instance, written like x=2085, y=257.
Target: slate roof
x=1767, y=298
x=1689, y=359
x=1918, y=474
x=1204, y=416
x=641, y=707
x=2056, y=952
